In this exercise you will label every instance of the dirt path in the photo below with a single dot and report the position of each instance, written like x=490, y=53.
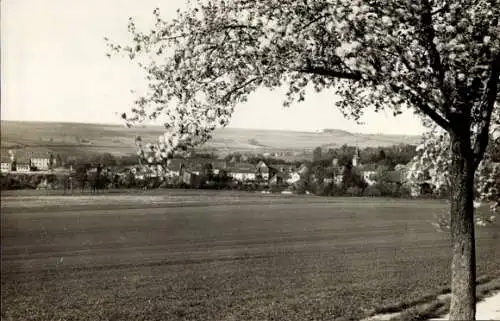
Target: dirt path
x=487, y=309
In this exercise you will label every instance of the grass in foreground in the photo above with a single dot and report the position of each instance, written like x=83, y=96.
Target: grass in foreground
x=290, y=259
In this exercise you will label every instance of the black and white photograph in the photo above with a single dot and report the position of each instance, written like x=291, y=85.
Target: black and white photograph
x=250, y=160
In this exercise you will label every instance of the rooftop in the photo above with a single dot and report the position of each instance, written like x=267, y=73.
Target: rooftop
x=242, y=168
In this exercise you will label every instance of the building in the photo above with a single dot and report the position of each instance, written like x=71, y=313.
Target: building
x=293, y=178
x=218, y=166
x=356, y=158
x=263, y=170
x=276, y=179
x=243, y=172
x=286, y=169
x=187, y=178
x=43, y=163
x=6, y=162
x=33, y=160
x=369, y=177
x=176, y=166
x=368, y=171
x=23, y=167
x=5, y=167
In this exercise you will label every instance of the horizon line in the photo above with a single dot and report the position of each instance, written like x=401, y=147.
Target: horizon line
x=219, y=128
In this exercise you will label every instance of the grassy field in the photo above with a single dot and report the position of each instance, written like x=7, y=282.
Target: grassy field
x=186, y=255
x=79, y=139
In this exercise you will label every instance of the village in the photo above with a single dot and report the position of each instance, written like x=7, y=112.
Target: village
x=324, y=176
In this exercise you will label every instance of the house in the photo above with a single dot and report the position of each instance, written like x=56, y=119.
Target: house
x=263, y=170
x=34, y=160
x=369, y=177
x=243, y=172
x=218, y=166
x=194, y=165
x=194, y=168
x=23, y=167
x=6, y=162
x=187, y=178
x=286, y=169
x=290, y=173
x=42, y=163
x=293, y=178
x=155, y=171
x=5, y=167
x=337, y=179
x=38, y=161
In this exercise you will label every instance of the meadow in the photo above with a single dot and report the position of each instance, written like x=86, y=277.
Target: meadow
x=79, y=139
x=190, y=255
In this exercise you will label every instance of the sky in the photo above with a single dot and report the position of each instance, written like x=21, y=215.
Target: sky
x=54, y=68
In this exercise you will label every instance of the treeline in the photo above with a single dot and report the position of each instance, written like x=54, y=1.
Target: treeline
x=106, y=159
x=348, y=181
x=110, y=160
x=254, y=159
x=14, y=181
x=378, y=156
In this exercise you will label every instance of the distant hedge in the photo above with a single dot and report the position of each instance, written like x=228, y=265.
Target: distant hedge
x=14, y=181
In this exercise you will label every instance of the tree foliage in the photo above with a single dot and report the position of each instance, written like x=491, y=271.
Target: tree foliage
x=352, y=178
x=432, y=163
x=434, y=55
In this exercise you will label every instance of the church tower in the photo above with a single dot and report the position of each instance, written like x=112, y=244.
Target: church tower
x=356, y=158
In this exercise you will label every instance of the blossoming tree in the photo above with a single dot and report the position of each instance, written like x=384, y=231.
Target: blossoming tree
x=438, y=57
x=432, y=163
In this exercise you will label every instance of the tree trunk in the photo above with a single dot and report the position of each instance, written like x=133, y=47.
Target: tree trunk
x=463, y=265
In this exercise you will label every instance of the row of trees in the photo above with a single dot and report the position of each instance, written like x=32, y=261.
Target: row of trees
x=106, y=159
x=110, y=160
x=13, y=181
x=381, y=156
x=322, y=180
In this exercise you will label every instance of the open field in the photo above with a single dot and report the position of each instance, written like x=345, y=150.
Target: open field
x=200, y=256
x=79, y=139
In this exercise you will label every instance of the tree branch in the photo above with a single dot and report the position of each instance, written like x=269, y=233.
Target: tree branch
x=429, y=111
x=487, y=104
x=444, y=8
x=207, y=32
x=307, y=25
x=356, y=75
x=236, y=88
x=429, y=35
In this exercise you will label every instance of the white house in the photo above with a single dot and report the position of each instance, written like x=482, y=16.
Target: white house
x=42, y=164
x=23, y=168
x=293, y=178
x=5, y=167
x=368, y=176
x=243, y=172
x=242, y=176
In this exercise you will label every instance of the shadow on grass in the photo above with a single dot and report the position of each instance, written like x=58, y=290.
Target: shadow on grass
x=432, y=305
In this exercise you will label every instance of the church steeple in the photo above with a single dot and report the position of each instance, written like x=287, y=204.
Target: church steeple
x=356, y=158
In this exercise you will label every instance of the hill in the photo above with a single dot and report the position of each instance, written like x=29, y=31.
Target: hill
x=79, y=139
